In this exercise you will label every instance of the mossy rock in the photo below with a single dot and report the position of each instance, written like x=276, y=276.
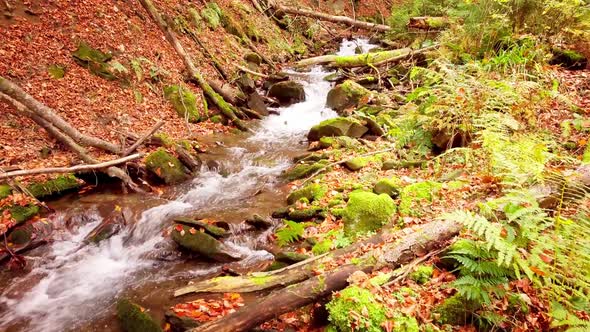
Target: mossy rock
x=217, y=119
x=184, y=102
x=5, y=191
x=291, y=257
x=346, y=95
x=306, y=214
x=357, y=163
x=367, y=212
x=455, y=310
x=21, y=213
x=569, y=59
x=340, y=126
x=57, y=186
x=166, y=167
x=354, y=299
x=304, y=170
x=203, y=244
x=287, y=92
x=180, y=323
x=417, y=192
x=422, y=274
x=94, y=60
x=133, y=318
x=212, y=15
x=339, y=142
x=388, y=186
x=212, y=230
x=312, y=192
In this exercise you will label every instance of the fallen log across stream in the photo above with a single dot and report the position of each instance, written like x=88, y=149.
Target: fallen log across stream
x=418, y=243
x=365, y=59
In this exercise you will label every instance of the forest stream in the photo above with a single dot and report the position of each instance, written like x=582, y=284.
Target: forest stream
x=70, y=285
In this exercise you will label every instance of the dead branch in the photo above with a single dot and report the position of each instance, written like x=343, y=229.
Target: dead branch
x=331, y=18
x=145, y=137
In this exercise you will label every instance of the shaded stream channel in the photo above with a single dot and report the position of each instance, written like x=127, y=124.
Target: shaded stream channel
x=71, y=286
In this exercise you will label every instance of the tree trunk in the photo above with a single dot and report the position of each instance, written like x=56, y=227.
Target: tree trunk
x=15, y=92
x=225, y=108
x=331, y=18
x=416, y=244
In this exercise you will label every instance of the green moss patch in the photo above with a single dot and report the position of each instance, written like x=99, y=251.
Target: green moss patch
x=22, y=213
x=455, y=310
x=389, y=186
x=133, y=318
x=312, y=192
x=422, y=274
x=57, y=186
x=94, y=60
x=369, y=314
x=184, y=102
x=212, y=15
x=166, y=167
x=367, y=212
x=346, y=95
x=416, y=192
x=5, y=191
x=304, y=170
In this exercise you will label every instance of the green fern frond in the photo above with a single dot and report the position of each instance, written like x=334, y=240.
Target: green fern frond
x=292, y=232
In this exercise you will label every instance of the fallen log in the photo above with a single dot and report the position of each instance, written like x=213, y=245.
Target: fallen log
x=430, y=237
x=73, y=169
x=360, y=60
x=226, y=109
x=34, y=106
x=258, y=281
x=331, y=18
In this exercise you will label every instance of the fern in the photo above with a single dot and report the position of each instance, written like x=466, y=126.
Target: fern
x=292, y=232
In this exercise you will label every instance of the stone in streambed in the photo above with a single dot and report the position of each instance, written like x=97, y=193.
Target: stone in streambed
x=303, y=170
x=337, y=127
x=203, y=244
x=133, y=318
x=367, y=212
x=346, y=95
x=166, y=167
x=287, y=92
x=180, y=323
x=259, y=222
x=256, y=103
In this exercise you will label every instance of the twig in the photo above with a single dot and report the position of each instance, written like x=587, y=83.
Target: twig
x=72, y=169
x=344, y=161
x=143, y=138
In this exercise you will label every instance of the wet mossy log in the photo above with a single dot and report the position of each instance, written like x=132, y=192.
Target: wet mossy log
x=361, y=60
x=430, y=237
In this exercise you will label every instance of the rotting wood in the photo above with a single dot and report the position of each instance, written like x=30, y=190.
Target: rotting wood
x=226, y=109
x=427, y=238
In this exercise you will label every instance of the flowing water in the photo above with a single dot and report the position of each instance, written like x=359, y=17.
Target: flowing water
x=72, y=286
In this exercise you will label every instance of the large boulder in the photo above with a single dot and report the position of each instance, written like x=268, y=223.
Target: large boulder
x=166, y=167
x=287, y=92
x=367, y=212
x=345, y=95
x=340, y=126
x=203, y=244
